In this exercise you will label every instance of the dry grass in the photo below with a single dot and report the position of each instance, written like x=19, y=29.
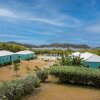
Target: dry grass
x=7, y=73
x=50, y=91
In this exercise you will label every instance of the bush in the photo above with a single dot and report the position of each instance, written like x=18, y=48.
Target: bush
x=71, y=61
x=77, y=75
x=9, y=63
x=29, y=59
x=17, y=61
x=14, y=90
x=6, y=63
x=42, y=74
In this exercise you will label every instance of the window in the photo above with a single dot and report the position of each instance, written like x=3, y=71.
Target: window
x=7, y=58
x=10, y=58
x=98, y=66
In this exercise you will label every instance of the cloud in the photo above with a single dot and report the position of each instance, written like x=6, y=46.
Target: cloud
x=56, y=19
x=38, y=32
x=14, y=36
x=94, y=28
x=7, y=13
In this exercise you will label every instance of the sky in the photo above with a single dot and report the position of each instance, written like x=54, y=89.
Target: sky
x=50, y=21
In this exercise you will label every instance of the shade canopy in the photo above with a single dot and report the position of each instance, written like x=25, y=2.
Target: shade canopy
x=88, y=57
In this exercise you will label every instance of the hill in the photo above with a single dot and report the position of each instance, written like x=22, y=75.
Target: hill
x=56, y=45
x=66, y=45
x=14, y=47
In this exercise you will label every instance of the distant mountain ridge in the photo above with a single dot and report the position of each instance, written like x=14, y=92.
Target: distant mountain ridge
x=54, y=45
x=66, y=45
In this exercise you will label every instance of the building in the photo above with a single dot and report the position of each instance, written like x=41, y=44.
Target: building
x=7, y=56
x=25, y=55
x=90, y=60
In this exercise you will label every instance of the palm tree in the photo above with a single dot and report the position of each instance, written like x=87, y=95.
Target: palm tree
x=65, y=60
x=71, y=61
x=77, y=61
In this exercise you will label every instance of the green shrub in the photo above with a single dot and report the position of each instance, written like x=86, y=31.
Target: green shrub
x=36, y=82
x=6, y=63
x=77, y=75
x=29, y=59
x=71, y=61
x=42, y=74
x=14, y=90
x=9, y=63
x=17, y=61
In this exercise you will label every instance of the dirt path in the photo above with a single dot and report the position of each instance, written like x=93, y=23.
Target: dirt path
x=50, y=91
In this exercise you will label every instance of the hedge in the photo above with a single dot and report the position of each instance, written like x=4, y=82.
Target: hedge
x=42, y=74
x=15, y=89
x=77, y=75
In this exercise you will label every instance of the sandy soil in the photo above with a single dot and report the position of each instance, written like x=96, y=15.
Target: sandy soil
x=50, y=91
x=7, y=72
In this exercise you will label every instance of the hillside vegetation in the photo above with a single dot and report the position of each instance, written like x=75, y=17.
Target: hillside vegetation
x=11, y=47
x=94, y=51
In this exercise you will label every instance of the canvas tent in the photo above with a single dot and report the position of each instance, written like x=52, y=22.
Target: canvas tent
x=7, y=56
x=25, y=55
x=90, y=60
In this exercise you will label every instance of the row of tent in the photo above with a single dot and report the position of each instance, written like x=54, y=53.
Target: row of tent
x=7, y=56
x=90, y=60
x=50, y=57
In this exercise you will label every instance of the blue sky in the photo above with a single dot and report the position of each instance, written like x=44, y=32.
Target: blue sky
x=50, y=21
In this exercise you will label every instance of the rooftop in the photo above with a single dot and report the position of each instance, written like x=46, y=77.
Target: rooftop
x=24, y=52
x=5, y=53
x=88, y=57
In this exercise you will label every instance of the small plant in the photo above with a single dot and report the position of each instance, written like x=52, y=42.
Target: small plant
x=55, y=64
x=14, y=90
x=37, y=68
x=17, y=61
x=28, y=69
x=42, y=75
x=16, y=68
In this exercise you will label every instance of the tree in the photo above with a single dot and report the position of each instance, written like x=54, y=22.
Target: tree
x=77, y=61
x=65, y=60
x=71, y=61
x=16, y=68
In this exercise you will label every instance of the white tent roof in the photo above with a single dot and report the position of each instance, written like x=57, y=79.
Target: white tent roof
x=24, y=52
x=5, y=53
x=76, y=54
x=93, y=58
x=88, y=57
